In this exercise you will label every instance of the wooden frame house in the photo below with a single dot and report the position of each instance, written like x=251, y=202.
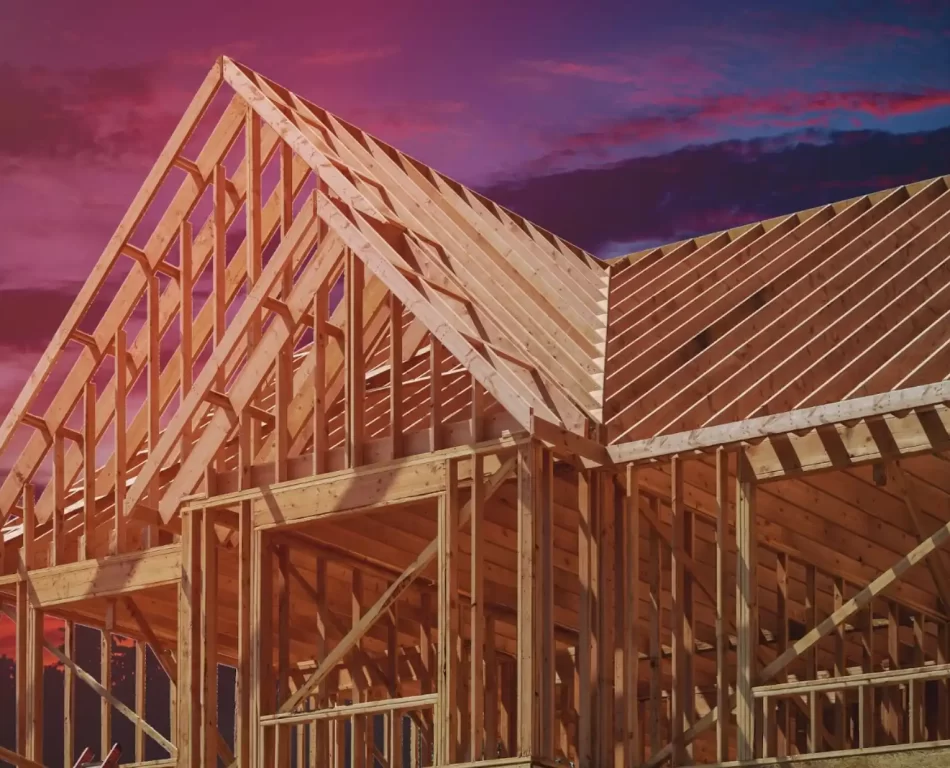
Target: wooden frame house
x=445, y=489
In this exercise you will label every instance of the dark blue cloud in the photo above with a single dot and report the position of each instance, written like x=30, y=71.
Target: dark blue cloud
x=700, y=189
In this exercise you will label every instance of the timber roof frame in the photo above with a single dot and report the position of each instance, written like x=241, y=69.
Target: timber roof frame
x=383, y=352
x=546, y=331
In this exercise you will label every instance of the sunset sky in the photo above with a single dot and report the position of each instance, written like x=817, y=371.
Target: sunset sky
x=615, y=124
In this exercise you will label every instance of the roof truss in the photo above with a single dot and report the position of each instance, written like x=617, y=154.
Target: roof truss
x=432, y=273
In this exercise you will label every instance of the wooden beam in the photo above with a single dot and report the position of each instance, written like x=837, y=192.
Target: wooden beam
x=59, y=500
x=840, y=711
x=565, y=442
x=28, y=550
x=358, y=732
x=321, y=309
x=492, y=699
x=118, y=539
x=219, y=271
x=255, y=243
x=283, y=390
x=186, y=350
x=263, y=488
x=586, y=662
x=722, y=638
x=320, y=735
x=244, y=689
x=435, y=394
x=746, y=613
x=69, y=695
x=394, y=722
x=839, y=447
x=447, y=682
x=632, y=738
x=395, y=375
x=528, y=719
x=139, y=675
x=189, y=642
x=343, y=711
x=18, y=760
x=811, y=656
x=261, y=676
x=89, y=471
x=927, y=397
x=655, y=566
x=477, y=610
x=21, y=619
x=354, y=361
x=680, y=633
x=477, y=410
x=153, y=385
x=545, y=510
x=107, y=577
x=208, y=619
x=282, y=741
x=350, y=492
x=607, y=618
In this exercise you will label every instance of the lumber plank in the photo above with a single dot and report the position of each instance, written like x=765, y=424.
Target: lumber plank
x=107, y=577
x=922, y=397
x=332, y=496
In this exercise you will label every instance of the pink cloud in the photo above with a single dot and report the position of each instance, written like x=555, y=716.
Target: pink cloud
x=411, y=120
x=599, y=73
x=675, y=69
x=638, y=129
x=103, y=113
x=684, y=119
x=790, y=42
x=343, y=57
x=204, y=57
x=880, y=104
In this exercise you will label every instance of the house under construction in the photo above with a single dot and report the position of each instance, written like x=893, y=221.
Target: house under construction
x=445, y=489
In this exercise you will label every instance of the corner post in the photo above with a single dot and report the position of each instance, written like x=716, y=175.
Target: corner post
x=448, y=621
x=189, y=641
x=528, y=702
x=746, y=609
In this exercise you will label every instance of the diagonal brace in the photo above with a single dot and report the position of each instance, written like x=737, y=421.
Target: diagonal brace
x=17, y=759
x=105, y=694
